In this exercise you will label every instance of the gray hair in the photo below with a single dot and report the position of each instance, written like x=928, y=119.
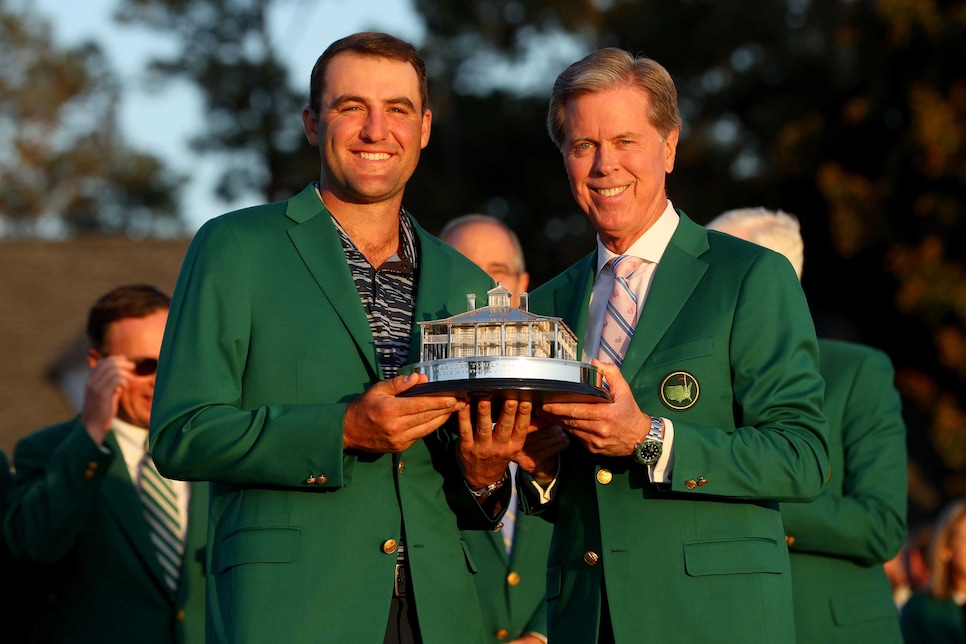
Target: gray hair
x=773, y=229
x=612, y=68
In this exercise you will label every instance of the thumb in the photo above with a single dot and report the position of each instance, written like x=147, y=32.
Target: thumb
x=612, y=374
x=403, y=383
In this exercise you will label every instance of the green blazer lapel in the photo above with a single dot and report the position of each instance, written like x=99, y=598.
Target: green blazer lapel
x=436, y=285
x=120, y=495
x=317, y=242
x=677, y=275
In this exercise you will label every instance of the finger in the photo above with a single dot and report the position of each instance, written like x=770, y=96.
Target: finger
x=505, y=423
x=522, y=423
x=573, y=414
x=465, y=422
x=424, y=429
x=484, y=422
x=401, y=383
x=612, y=374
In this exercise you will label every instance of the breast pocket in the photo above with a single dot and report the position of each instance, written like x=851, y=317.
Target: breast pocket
x=734, y=556
x=256, y=545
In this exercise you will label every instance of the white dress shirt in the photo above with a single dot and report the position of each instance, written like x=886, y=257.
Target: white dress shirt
x=131, y=440
x=650, y=247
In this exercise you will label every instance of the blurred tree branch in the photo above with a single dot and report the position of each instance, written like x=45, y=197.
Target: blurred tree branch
x=64, y=169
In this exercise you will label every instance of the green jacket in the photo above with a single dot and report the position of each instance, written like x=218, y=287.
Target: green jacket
x=928, y=620
x=512, y=588
x=839, y=541
x=725, y=348
x=74, y=509
x=266, y=344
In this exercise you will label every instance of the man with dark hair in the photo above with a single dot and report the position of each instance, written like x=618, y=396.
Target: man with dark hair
x=666, y=505
x=124, y=547
x=338, y=501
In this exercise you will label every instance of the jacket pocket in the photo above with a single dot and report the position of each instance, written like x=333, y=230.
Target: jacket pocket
x=734, y=556
x=277, y=544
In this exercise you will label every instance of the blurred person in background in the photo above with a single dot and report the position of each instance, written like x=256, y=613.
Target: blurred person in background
x=936, y=615
x=19, y=610
x=124, y=546
x=908, y=571
x=511, y=563
x=839, y=542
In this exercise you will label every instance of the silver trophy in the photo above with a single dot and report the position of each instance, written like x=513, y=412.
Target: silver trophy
x=502, y=352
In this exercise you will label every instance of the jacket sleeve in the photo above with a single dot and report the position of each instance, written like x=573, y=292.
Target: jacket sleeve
x=778, y=450
x=59, y=475
x=202, y=428
x=867, y=520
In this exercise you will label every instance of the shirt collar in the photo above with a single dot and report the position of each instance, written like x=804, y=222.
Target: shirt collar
x=131, y=439
x=651, y=245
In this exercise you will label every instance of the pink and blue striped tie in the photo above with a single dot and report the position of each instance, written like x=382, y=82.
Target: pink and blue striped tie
x=621, y=315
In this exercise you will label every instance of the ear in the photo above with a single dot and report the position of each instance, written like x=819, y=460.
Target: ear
x=670, y=149
x=427, y=124
x=93, y=357
x=310, y=122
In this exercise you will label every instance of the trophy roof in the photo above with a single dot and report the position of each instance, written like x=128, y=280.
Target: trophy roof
x=490, y=314
x=498, y=310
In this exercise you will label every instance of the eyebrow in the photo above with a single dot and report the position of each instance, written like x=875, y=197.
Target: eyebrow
x=346, y=98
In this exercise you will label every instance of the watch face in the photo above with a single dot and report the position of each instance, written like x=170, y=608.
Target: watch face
x=648, y=452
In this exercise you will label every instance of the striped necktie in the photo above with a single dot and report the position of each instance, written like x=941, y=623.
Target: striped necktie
x=161, y=511
x=621, y=314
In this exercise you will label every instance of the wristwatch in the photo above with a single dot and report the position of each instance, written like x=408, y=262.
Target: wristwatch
x=648, y=451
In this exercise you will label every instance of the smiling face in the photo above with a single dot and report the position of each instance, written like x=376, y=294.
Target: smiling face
x=617, y=163
x=370, y=128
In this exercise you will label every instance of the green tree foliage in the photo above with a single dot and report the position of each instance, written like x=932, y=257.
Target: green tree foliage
x=251, y=111
x=64, y=169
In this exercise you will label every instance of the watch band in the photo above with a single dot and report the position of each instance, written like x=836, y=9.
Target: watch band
x=649, y=450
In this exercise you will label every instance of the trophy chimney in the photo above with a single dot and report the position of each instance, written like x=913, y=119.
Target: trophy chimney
x=470, y=301
x=525, y=301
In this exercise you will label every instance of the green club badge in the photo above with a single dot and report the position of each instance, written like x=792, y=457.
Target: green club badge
x=679, y=391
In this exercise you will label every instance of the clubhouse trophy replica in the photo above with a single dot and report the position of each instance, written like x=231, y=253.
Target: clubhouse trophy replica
x=503, y=352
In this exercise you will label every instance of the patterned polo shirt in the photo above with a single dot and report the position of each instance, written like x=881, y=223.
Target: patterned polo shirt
x=388, y=295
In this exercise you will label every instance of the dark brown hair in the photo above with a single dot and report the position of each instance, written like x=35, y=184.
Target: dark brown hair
x=128, y=301
x=368, y=43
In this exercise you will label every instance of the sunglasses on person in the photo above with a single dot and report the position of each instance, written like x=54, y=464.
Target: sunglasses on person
x=145, y=366
x=142, y=366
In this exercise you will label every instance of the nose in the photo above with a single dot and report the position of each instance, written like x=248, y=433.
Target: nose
x=605, y=159
x=374, y=129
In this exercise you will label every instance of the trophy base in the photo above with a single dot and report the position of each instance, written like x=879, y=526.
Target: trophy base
x=498, y=378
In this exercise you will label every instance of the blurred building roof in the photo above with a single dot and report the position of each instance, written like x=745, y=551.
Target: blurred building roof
x=46, y=291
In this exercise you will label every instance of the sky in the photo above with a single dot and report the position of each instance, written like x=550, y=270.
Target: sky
x=174, y=113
